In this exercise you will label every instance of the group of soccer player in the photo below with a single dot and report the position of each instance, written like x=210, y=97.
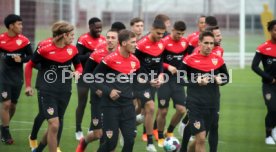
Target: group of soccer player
x=142, y=65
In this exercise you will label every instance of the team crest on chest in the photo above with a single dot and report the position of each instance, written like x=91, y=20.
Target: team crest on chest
x=18, y=42
x=215, y=61
x=4, y=94
x=268, y=96
x=70, y=51
x=197, y=124
x=160, y=45
x=132, y=64
x=183, y=44
x=109, y=133
x=50, y=111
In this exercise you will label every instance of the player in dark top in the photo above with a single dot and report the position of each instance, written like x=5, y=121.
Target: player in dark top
x=96, y=94
x=39, y=119
x=86, y=45
x=205, y=72
x=55, y=59
x=175, y=49
x=15, y=49
x=115, y=78
x=149, y=52
x=266, y=54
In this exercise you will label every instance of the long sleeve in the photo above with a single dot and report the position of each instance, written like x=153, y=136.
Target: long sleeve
x=28, y=73
x=29, y=53
x=99, y=82
x=255, y=67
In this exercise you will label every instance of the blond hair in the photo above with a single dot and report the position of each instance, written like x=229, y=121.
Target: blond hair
x=61, y=27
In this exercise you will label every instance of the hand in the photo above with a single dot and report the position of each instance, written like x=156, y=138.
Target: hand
x=76, y=75
x=172, y=69
x=29, y=91
x=202, y=80
x=273, y=81
x=17, y=58
x=218, y=80
x=99, y=93
x=114, y=94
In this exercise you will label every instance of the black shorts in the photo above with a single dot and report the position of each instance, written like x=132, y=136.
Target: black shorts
x=115, y=118
x=269, y=94
x=10, y=92
x=171, y=90
x=202, y=119
x=145, y=95
x=53, y=104
x=96, y=111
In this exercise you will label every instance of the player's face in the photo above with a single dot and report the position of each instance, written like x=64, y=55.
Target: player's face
x=112, y=39
x=176, y=34
x=201, y=24
x=96, y=29
x=167, y=24
x=273, y=33
x=138, y=28
x=207, y=45
x=131, y=45
x=218, y=36
x=17, y=27
x=69, y=37
x=157, y=34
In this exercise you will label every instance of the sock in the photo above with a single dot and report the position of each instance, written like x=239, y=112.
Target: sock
x=36, y=126
x=40, y=147
x=170, y=129
x=144, y=130
x=185, y=120
x=160, y=134
x=268, y=132
x=155, y=125
x=78, y=127
x=150, y=141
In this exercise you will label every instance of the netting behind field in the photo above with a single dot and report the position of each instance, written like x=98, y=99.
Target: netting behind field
x=38, y=16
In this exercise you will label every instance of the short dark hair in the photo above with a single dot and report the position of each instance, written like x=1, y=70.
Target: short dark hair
x=10, y=19
x=212, y=28
x=204, y=34
x=211, y=21
x=135, y=20
x=125, y=35
x=179, y=25
x=162, y=17
x=118, y=26
x=270, y=25
x=94, y=20
x=158, y=24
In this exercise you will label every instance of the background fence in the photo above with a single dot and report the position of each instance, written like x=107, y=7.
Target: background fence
x=38, y=15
